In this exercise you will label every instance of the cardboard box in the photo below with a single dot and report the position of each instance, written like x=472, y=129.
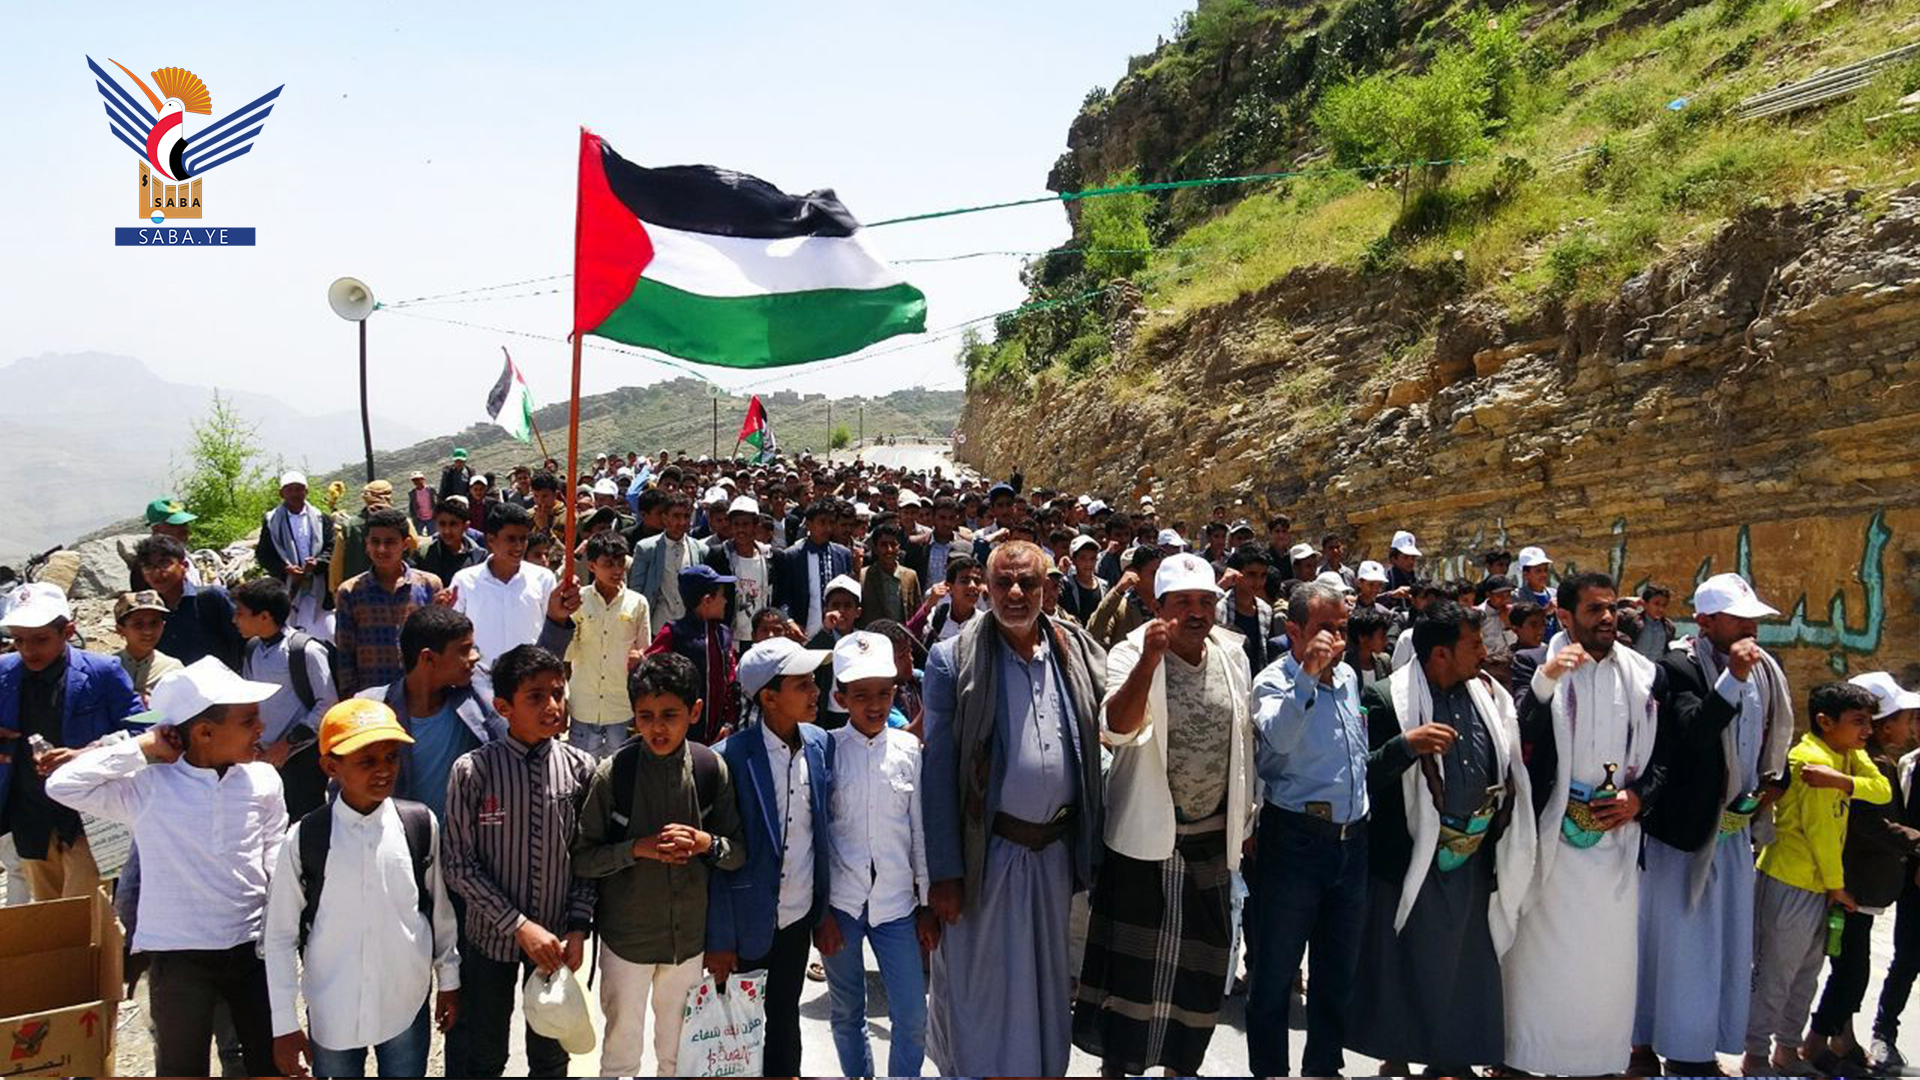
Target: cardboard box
x=59, y=987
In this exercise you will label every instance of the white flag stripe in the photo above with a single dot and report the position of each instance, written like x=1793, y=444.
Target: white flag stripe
x=710, y=265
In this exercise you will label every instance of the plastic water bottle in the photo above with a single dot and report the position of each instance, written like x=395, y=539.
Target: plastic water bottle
x=1836, y=927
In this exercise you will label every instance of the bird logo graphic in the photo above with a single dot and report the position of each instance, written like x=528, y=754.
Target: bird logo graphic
x=172, y=161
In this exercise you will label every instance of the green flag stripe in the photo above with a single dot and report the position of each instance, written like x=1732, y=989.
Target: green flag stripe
x=770, y=330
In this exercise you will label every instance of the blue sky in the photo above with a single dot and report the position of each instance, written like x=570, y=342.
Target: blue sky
x=432, y=149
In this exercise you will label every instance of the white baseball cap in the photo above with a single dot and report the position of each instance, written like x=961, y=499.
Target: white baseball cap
x=1083, y=500
x=1888, y=695
x=293, y=476
x=1081, y=541
x=1729, y=594
x=556, y=1007
x=1533, y=556
x=1371, y=571
x=863, y=654
x=715, y=494
x=1169, y=538
x=1301, y=551
x=744, y=504
x=773, y=658
x=1332, y=579
x=1095, y=507
x=1184, y=573
x=36, y=604
x=1403, y=543
x=182, y=695
x=842, y=581
x=607, y=487
x=908, y=498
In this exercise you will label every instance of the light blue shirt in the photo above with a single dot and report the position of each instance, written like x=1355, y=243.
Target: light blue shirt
x=1035, y=760
x=437, y=741
x=1312, y=747
x=1749, y=727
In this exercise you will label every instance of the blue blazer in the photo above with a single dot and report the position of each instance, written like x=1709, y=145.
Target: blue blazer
x=99, y=698
x=743, y=905
x=793, y=587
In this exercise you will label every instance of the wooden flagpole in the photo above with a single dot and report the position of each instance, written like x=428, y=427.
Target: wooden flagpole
x=536, y=436
x=573, y=399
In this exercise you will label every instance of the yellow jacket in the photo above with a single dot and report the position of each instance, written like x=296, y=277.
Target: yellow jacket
x=1811, y=823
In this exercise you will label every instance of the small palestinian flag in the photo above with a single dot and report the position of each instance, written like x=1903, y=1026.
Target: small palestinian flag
x=510, y=403
x=756, y=432
x=719, y=267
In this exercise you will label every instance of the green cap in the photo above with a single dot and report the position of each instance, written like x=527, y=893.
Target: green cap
x=166, y=510
x=459, y=453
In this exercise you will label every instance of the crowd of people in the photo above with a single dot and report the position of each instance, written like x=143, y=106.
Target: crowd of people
x=1063, y=777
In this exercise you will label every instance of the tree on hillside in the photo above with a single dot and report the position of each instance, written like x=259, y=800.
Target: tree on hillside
x=1116, y=230
x=228, y=482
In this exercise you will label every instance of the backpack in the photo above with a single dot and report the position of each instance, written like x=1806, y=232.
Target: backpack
x=297, y=643
x=626, y=769
x=315, y=834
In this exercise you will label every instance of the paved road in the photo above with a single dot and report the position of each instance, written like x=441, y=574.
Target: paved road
x=1226, y=1057
x=915, y=456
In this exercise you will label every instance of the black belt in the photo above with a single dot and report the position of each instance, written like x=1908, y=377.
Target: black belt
x=1319, y=826
x=1034, y=836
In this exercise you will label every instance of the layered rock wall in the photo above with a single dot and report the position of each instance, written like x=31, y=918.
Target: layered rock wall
x=1750, y=404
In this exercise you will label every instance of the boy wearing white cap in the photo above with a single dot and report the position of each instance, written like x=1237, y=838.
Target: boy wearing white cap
x=1726, y=724
x=1885, y=1057
x=208, y=818
x=763, y=915
x=1535, y=568
x=1403, y=555
x=879, y=888
x=69, y=698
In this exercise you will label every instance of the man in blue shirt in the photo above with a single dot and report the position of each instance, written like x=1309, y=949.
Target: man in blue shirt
x=1310, y=874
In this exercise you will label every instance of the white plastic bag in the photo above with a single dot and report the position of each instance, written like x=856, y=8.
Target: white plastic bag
x=724, y=1034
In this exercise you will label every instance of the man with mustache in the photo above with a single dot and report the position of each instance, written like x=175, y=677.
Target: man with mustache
x=1011, y=793
x=1728, y=721
x=1588, y=717
x=1180, y=802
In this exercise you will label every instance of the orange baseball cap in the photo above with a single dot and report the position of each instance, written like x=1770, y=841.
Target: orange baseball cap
x=358, y=722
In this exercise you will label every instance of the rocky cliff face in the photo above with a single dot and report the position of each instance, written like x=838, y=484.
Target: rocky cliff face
x=1749, y=404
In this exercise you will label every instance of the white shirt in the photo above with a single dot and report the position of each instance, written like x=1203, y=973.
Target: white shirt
x=371, y=957
x=750, y=587
x=815, y=605
x=879, y=844
x=793, y=807
x=504, y=613
x=207, y=840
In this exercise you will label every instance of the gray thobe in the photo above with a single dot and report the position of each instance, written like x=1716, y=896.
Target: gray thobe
x=999, y=1001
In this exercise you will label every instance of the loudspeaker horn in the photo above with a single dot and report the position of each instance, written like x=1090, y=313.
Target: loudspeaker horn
x=350, y=299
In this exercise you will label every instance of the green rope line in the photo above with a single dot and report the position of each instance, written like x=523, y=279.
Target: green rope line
x=1052, y=253
x=1165, y=185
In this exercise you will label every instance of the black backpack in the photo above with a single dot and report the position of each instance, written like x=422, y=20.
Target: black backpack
x=315, y=835
x=626, y=769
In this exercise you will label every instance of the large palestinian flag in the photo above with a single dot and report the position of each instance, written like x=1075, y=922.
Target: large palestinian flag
x=719, y=267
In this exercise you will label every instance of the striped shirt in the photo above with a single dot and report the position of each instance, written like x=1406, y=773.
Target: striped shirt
x=366, y=626
x=512, y=810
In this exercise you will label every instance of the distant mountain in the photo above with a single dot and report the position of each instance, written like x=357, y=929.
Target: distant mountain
x=676, y=416
x=90, y=438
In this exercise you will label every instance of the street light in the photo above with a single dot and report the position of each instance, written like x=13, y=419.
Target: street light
x=351, y=299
